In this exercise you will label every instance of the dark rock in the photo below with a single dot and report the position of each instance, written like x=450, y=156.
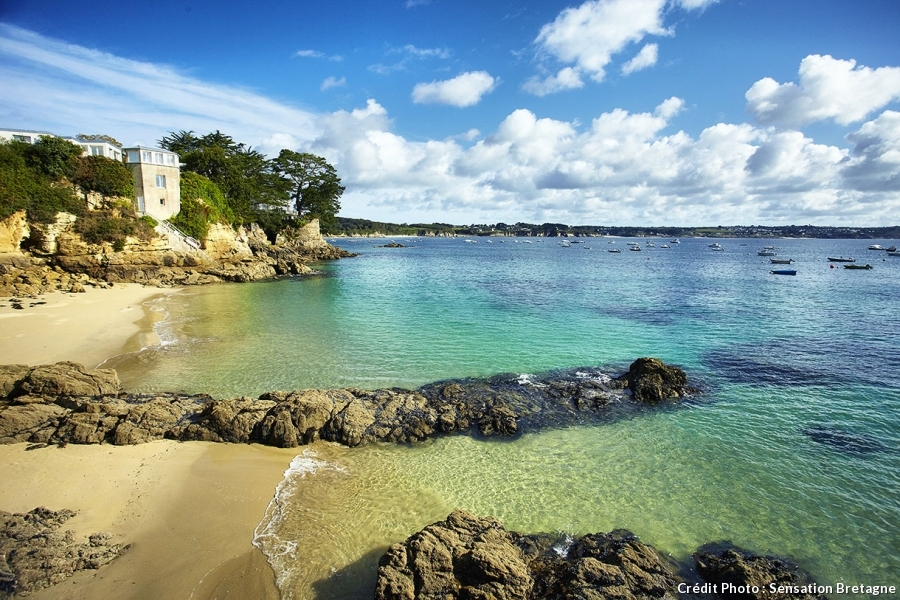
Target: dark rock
x=652, y=381
x=35, y=555
x=470, y=557
x=68, y=379
x=844, y=441
x=742, y=573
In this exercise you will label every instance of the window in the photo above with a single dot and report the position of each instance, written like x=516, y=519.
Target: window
x=133, y=156
x=159, y=159
x=96, y=150
x=160, y=181
x=170, y=159
x=141, y=206
x=22, y=138
x=162, y=201
x=146, y=156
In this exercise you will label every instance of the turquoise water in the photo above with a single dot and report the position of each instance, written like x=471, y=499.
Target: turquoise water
x=779, y=358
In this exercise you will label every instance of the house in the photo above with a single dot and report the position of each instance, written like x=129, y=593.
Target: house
x=90, y=147
x=22, y=135
x=157, y=181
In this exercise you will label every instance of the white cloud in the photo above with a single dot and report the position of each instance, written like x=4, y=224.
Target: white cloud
x=643, y=59
x=829, y=88
x=875, y=165
x=567, y=79
x=66, y=88
x=463, y=90
x=592, y=33
x=424, y=52
x=411, y=53
x=332, y=82
x=317, y=54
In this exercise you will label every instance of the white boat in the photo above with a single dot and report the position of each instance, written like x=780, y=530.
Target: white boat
x=651, y=245
x=635, y=248
x=675, y=241
x=766, y=252
x=875, y=247
x=565, y=244
x=716, y=247
x=665, y=246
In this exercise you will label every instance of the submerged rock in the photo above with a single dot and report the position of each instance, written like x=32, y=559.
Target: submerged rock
x=64, y=403
x=35, y=555
x=844, y=441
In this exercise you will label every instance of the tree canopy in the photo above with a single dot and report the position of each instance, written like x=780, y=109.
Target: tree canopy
x=252, y=185
x=315, y=186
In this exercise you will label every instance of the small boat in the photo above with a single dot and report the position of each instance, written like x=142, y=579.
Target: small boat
x=616, y=250
x=651, y=245
x=875, y=247
x=891, y=249
x=784, y=272
x=893, y=253
x=565, y=244
x=665, y=246
x=781, y=261
x=635, y=248
x=716, y=248
x=766, y=252
x=866, y=266
x=841, y=259
x=713, y=245
x=675, y=241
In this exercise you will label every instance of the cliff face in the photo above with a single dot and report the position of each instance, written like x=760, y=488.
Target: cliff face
x=61, y=259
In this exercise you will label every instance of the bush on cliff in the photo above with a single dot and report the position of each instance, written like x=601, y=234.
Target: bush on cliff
x=202, y=203
x=31, y=179
x=105, y=176
x=113, y=226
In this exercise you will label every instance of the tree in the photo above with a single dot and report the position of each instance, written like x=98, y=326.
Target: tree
x=55, y=156
x=87, y=137
x=315, y=187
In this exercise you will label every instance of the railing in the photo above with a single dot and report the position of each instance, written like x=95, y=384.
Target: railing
x=192, y=242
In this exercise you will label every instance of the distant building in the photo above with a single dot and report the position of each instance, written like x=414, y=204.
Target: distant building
x=157, y=181
x=22, y=135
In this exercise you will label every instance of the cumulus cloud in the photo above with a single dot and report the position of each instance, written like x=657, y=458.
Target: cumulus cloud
x=642, y=60
x=463, y=90
x=829, y=88
x=567, y=79
x=332, y=82
x=875, y=164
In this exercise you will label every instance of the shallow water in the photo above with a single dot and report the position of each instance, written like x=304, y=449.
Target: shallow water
x=779, y=358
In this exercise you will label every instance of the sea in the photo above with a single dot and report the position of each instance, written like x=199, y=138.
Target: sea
x=791, y=447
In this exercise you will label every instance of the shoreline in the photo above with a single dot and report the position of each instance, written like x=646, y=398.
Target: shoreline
x=88, y=328
x=188, y=511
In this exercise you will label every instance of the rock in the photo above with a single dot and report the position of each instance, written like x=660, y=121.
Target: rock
x=470, y=557
x=652, y=381
x=10, y=376
x=34, y=555
x=721, y=563
x=68, y=379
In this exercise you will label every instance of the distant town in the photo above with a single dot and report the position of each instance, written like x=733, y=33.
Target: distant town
x=364, y=227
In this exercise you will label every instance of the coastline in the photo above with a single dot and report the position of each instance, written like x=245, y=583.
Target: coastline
x=87, y=328
x=188, y=511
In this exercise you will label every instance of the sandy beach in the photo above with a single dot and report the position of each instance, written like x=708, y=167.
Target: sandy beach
x=188, y=510
x=87, y=328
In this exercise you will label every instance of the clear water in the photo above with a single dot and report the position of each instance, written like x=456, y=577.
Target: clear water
x=776, y=355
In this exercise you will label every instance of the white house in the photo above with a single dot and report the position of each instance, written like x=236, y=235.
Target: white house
x=157, y=181
x=22, y=135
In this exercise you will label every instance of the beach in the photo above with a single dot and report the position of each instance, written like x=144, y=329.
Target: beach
x=187, y=510
x=87, y=328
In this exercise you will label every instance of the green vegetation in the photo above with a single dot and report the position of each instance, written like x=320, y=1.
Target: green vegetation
x=105, y=176
x=253, y=188
x=42, y=180
x=202, y=203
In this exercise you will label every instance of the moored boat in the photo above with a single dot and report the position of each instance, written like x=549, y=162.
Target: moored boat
x=865, y=266
x=784, y=272
x=781, y=261
x=841, y=259
x=875, y=247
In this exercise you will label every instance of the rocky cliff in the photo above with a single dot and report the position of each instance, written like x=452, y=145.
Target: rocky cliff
x=60, y=259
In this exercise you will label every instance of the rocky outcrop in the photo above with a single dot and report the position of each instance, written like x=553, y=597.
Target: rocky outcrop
x=35, y=555
x=64, y=403
x=13, y=230
x=651, y=381
x=64, y=261
x=466, y=556
x=470, y=557
x=740, y=574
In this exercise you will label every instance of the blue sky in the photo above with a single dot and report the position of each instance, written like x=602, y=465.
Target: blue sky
x=637, y=112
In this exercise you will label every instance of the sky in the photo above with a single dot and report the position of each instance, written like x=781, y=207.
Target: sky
x=603, y=112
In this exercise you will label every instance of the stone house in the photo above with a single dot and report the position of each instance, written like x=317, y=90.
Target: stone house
x=157, y=181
